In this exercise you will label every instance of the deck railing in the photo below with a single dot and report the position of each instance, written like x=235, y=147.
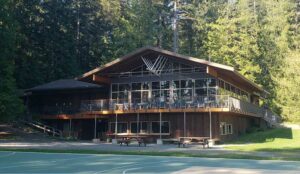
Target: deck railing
x=212, y=101
x=215, y=101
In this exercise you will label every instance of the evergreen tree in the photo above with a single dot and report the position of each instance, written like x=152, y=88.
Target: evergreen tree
x=10, y=104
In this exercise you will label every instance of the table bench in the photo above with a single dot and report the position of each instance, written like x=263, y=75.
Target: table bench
x=184, y=141
x=126, y=140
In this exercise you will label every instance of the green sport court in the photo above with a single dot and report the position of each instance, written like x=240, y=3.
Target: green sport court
x=32, y=162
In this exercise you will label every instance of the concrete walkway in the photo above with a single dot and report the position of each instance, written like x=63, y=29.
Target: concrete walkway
x=87, y=145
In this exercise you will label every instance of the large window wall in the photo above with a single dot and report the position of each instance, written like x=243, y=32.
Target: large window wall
x=225, y=88
x=164, y=92
x=175, y=91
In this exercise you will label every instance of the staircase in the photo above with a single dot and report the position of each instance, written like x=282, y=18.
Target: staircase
x=272, y=119
x=41, y=127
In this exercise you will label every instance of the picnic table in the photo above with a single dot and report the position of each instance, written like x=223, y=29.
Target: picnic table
x=183, y=141
x=127, y=139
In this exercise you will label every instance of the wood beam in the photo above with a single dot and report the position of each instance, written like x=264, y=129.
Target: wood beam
x=100, y=79
x=211, y=71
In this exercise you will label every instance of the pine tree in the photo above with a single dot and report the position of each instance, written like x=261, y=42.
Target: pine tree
x=10, y=104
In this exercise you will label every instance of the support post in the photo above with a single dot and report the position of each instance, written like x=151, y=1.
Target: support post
x=160, y=125
x=184, y=124
x=116, y=126
x=138, y=123
x=70, y=127
x=114, y=141
x=95, y=128
x=210, y=125
x=159, y=141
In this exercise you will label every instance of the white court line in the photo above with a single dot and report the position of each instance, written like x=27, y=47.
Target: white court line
x=130, y=165
x=10, y=154
x=124, y=171
x=12, y=166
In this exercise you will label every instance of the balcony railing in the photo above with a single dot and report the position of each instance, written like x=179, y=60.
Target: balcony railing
x=213, y=101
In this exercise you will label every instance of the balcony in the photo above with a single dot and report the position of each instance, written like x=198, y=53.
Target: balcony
x=205, y=103
x=213, y=103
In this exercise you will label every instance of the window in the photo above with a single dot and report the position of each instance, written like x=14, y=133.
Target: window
x=124, y=87
x=143, y=127
x=229, y=128
x=115, y=87
x=145, y=96
x=211, y=82
x=155, y=85
x=122, y=127
x=200, y=92
x=146, y=85
x=164, y=85
x=175, y=84
x=165, y=127
x=186, y=94
x=225, y=129
x=136, y=86
x=200, y=83
x=186, y=84
x=136, y=97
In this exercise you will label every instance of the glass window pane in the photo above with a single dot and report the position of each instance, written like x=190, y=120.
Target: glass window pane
x=124, y=87
x=165, y=84
x=201, y=92
x=144, y=127
x=114, y=95
x=227, y=86
x=200, y=83
x=133, y=127
x=221, y=84
x=136, y=86
x=155, y=85
x=212, y=82
x=186, y=84
x=186, y=94
x=155, y=127
x=115, y=87
x=165, y=127
x=145, y=96
x=175, y=84
x=146, y=85
x=122, y=127
x=165, y=95
x=212, y=91
x=136, y=95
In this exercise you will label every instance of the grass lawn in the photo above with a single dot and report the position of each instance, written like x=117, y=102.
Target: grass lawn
x=272, y=140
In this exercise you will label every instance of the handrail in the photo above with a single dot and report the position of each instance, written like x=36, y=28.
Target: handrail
x=45, y=128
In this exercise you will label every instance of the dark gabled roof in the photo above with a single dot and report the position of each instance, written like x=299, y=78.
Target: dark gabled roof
x=64, y=84
x=225, y=68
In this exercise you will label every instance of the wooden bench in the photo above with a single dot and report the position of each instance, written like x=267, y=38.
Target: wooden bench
x=184, y=141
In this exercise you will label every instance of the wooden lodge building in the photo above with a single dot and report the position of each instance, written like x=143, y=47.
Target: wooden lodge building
x=152, y=92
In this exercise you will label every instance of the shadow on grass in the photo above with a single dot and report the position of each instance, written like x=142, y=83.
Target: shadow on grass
x=268, y=135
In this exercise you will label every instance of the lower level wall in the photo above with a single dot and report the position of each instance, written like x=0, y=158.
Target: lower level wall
x=196, y=125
